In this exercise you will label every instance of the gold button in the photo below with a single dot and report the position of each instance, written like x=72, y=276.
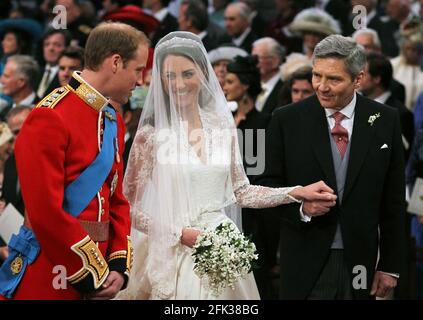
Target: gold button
x=102, y=211
x=102, y=200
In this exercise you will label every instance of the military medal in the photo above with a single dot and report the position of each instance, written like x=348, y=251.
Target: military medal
x=16, y=265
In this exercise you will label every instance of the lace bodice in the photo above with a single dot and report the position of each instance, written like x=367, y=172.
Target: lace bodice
x=207, y=183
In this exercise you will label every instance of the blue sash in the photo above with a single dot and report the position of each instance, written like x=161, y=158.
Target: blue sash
x=24, y=247
x=83, y=189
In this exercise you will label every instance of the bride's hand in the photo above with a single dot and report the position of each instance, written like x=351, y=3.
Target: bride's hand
x=189, y=236
x=318, y=191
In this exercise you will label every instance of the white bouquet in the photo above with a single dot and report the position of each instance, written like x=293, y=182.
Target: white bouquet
x=222, y=256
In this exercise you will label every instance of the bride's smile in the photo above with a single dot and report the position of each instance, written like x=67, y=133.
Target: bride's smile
x=182, y=78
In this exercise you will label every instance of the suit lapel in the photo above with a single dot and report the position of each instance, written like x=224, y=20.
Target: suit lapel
x=272, y=99
x=319, y=133
x=362, y=136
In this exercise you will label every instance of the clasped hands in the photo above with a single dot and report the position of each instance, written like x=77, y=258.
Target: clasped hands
x=317, y=198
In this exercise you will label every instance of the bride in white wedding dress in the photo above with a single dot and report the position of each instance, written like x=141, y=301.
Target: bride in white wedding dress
x=184, y=171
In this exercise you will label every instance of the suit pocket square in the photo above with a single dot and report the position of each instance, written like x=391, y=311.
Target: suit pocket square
x=385, y=146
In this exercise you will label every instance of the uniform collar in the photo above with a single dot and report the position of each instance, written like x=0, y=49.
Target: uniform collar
x=86, y=92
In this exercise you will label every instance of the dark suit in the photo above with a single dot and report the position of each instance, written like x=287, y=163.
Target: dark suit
x=10, y=192
x=298, y=152
x=54, y=83
x=166, y=26
x=272, y=101
x=260, y=226
x=387, y=30
x=247, y=44
x=407, y=122
x=398, y=90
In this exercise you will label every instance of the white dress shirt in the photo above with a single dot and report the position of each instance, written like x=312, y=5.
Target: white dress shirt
x=268, y=88
x=238, y=41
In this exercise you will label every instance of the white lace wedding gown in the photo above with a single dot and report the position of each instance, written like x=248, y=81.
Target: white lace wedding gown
x=207, y=182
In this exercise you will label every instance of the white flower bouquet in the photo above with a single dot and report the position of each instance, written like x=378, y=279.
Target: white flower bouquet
x=222, y=256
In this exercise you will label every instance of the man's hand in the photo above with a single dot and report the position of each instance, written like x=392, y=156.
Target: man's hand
x=189, y=236
x=110, y=287
x=317, y=198
x=382, y=284
x=4, y=253
x=317, y=208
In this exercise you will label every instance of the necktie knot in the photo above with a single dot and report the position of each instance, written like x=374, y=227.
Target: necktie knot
x=338, y=116
x=340, y=134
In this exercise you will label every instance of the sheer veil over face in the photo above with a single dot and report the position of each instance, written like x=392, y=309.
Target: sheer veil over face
x=185, y=124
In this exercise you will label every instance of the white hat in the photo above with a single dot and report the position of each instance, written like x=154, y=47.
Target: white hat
x=314, y=20
x=226, y=53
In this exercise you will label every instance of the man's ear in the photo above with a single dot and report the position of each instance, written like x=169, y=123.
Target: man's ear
x=358, y=79
x=116, y=61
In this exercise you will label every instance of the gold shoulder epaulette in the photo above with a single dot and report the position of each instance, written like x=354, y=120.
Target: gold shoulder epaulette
x=52, y=99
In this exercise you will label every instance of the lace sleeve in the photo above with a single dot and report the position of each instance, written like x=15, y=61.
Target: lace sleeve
x=252, y=196
x=138, y=173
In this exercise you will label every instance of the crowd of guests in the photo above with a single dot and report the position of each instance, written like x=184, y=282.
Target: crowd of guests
x=261, y=53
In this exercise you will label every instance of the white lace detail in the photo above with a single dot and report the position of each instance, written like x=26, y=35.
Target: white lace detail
x=135, y=180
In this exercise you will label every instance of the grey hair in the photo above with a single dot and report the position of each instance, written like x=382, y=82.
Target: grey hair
x=243, y=10
x=345, y=48
x=371, y=32
x=26, y=67
x=275, y=49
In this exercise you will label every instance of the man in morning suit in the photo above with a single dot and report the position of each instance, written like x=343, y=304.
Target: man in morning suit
x=354, y=145
x=76, y=214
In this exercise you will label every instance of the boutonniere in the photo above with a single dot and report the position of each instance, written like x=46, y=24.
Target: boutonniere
x=372, y=118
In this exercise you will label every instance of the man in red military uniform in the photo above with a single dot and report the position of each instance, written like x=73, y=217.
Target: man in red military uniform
x=68, y=156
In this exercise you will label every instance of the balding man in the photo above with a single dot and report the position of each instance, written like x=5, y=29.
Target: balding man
x=238, y=25
x=270, y=55
x=371, y=43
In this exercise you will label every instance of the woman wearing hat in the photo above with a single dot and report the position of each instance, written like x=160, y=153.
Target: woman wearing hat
x=313, y=25
x=221, y=57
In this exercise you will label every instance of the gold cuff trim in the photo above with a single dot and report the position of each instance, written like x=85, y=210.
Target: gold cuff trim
x=92, y=260
x=78, y=276
x=129, y=256
x=117, y=255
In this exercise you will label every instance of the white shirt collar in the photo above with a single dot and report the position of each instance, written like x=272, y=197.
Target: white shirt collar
x=271, y=83
x=238, y=41
x=202, y=34
x=347, y=111
x=322, y=4
x=28, y=101
x=383, y=97
x=161, y=14
x=370, y=16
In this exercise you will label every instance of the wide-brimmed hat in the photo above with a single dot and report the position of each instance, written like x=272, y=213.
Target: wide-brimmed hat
x=134, y=16
x=29, y=26
x=412, y=31
x=314, y=20
x=226, y=53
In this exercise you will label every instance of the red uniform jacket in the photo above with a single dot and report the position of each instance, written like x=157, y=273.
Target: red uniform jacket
x=60, y=139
